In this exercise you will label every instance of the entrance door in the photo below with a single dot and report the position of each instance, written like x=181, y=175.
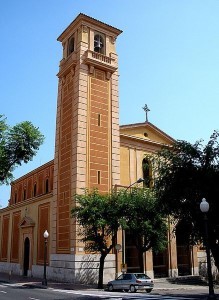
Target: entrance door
x=26, y=256
x=160, y=264
x=131, y=255
x=183, y=249
x=183, y=260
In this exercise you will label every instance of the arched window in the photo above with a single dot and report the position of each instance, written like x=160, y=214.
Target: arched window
x=47, y=186
x=71, y=45
x=99, y=43
x=24, y=194
x=146, y=169
x=34, y=189
x=15, y=198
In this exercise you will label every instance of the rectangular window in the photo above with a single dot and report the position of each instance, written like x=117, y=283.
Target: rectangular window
x=25, y=194
x=34, y=190
x=99, y=119
x=98, y=177
x=47, y=186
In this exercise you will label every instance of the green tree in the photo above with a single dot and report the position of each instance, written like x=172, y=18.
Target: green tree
x=142, y=218
x=186, y=173
x=97, y=215
x=17, y=144
x=101, y=215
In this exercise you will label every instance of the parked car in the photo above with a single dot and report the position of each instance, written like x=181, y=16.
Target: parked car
x=131, y=282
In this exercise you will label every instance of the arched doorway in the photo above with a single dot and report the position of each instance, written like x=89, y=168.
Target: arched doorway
x=131, y=254
x=183, y=248
x=160, y=264
x=26, y=256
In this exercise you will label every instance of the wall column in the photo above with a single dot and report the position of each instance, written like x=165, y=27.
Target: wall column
x=148, y=257
x=172, y=250
x=194, y=261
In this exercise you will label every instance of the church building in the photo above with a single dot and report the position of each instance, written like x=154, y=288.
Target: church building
x=91, y=151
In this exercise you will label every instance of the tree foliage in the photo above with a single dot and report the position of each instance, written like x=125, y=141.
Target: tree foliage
x=17, y=144
x=186, y=173
x=97, y=215
x=101, y=215
x=147, y=226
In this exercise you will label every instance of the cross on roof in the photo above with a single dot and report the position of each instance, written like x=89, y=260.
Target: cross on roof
x=146, y=109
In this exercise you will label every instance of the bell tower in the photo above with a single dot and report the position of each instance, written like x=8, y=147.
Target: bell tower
x=87, y=149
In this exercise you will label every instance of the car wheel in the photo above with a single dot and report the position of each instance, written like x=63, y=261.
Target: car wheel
x=110, y=288
x=148, y=290
x=132, y=289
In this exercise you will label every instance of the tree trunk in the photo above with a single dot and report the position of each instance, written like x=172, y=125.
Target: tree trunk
x=140, y=261
x=101, y=268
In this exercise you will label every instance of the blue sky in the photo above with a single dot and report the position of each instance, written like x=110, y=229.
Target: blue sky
x=168, y=59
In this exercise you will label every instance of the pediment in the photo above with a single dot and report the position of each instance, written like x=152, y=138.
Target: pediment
x=27, y=222
x=146, y=132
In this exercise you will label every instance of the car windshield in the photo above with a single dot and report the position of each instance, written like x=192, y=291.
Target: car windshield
x=141, y=276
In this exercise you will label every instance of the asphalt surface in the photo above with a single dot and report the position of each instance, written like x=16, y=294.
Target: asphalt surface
x=161, y=286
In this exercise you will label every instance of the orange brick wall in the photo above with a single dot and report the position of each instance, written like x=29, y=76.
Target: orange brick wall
x=43, y=224
x=64, y=176
x=5, y=237
x=29, y=187
x=15, y=238
x=99, y=133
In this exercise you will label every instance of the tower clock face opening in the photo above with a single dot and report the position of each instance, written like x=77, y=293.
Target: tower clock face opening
x=98, y=43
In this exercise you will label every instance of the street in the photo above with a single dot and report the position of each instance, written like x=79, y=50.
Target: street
x=27, y=292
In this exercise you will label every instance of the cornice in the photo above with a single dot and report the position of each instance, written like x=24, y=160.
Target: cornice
x=27, y=202
x=67, y=65
x=100, y=61
x=83, y=19
x=141, y=140
x=50, y=163
x=27, y=222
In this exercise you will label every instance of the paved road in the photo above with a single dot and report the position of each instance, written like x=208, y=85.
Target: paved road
x=26, y=288
x=18, y=291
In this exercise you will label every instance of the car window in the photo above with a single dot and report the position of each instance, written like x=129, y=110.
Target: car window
x=127, y=277
x=142, y=276
x=120, y=277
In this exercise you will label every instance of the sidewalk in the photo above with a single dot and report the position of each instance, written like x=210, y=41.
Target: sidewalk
x=159, y=284
x=31, y=281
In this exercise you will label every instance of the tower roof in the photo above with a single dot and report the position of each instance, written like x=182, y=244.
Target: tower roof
x=84, y=18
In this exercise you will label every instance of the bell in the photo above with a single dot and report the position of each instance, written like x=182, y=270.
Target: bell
x=98, y=45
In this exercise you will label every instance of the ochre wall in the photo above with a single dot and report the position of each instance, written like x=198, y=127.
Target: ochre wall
x=30, y=219
x=131, y=164
x=151, y=134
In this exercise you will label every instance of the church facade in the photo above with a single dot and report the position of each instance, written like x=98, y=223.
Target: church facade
x=91, y=151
